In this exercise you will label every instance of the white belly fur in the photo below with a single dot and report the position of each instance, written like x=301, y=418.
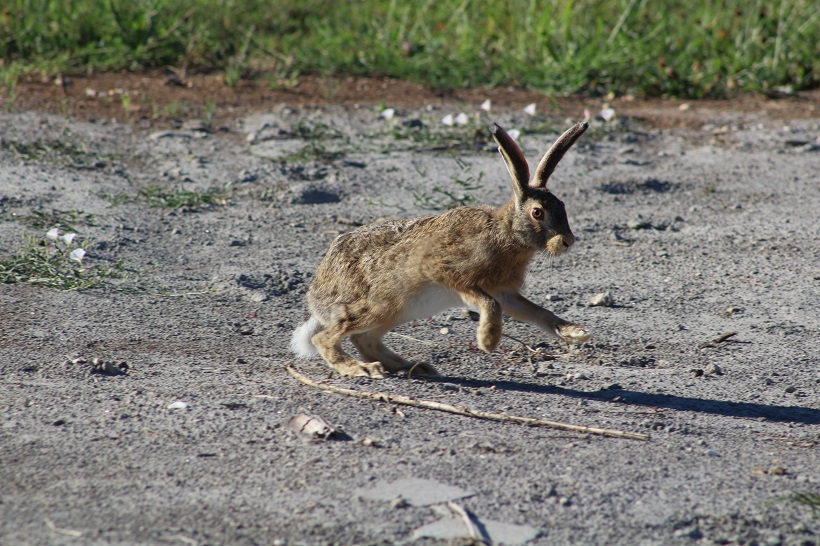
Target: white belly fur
x=432, y=299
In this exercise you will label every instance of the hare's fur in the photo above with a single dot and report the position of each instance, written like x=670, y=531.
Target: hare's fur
x=388, y=273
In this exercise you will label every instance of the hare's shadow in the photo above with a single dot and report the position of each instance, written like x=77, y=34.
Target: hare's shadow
x=789, y=414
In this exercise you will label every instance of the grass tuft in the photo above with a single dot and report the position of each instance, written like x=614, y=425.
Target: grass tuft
x=812, y=500
x=47, y=263
x=462, y=195
x=173, y=198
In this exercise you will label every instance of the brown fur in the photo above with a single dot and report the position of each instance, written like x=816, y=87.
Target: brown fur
x=377, y=276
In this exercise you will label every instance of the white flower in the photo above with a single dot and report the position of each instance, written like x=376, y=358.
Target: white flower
x=530, y=109
x=53, y=233
x=68, y=238
x=462, y=119
x=607, y=114
x=77, y=255
x=388, y=113
x=514, y=134
x=486, y=105
x=587, y=115
x=448, y=120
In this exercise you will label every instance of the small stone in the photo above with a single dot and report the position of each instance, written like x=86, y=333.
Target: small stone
x=712, y=369
x=638, y=223
x=195, y=125
x=399, y=502
x=790, y=389
x=604, y=299
x=444, y=331
x=177, y=405
x=613, y=387
x=553, y=297
x=712, y=453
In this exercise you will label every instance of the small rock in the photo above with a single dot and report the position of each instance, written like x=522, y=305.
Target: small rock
x=177, y=405
x=564, y=501
x=399, y=502
x=613, y=387
x=444, y=331
x=413, y=123
x=638, y=223
x=195, y=125
x=712, y=453
x=790, y=389
x=712, y=369
x=604, y=299
x=553, y=297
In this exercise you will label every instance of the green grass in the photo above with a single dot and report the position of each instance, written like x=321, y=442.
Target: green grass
x=690, y=48
x=60, y=151
x=65, y=219
x=48, y=263
x=812, y=500
x=460, y=195
x=175, y=198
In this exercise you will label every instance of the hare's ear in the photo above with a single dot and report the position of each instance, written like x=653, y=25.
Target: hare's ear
x=516, y=164
x=556, y=152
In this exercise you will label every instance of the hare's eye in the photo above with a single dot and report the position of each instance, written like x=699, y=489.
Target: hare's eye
x=537, y=213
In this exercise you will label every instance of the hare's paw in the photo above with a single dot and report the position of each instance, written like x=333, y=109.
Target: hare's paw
x=355, y=368
x=572, y=333
x=489, y=336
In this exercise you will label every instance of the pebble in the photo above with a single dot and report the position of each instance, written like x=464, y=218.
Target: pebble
x=712, y=453
x=790, y=389
x=444, y=331
x=177, y=405
x=712, y=369
x=604, y=299
x=639, y=224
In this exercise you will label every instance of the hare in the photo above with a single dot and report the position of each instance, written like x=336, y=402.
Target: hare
x=387, y=273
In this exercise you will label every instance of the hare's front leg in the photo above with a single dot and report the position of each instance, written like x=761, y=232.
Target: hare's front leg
x=490, y=320
x=517, y=306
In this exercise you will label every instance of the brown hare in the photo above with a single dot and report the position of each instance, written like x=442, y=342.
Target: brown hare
x=384, y=274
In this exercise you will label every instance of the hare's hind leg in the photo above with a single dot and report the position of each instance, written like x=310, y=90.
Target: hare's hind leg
x=328, y=342
x=371, y=347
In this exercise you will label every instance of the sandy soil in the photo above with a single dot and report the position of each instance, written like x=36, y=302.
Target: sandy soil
x=699, y=219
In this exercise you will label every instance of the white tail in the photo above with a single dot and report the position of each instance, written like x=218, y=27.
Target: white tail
x=300, y=343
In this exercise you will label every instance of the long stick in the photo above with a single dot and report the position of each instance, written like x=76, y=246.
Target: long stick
x=461, y=410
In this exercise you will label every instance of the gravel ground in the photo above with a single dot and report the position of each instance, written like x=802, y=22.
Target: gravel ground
x=694, y=233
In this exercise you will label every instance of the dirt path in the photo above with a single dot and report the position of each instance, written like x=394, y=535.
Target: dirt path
x=698, y=221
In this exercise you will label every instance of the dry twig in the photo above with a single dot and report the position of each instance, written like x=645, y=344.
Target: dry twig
x=723, y=338
x=461, y=410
